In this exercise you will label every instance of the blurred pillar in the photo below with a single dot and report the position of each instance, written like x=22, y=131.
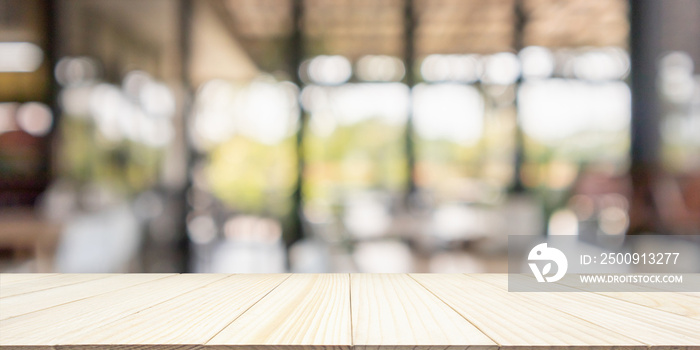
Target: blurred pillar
x=645, y=49
x=185, y=45
x=51, y=47
x=519, y=159
x=296, y=55
x=410, y=81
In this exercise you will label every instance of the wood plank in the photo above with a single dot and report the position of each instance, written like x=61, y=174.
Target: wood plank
x=191, y=318
x=335, y=311
x=7, y=278
x=306, y=311
x=512, y=321
x=127, y=347
x=57, y=325
x=393, y=311
x=680, y=304
x=677, y=303
x=677, y=289
x=655, y=328
x=30, y=302
x=47, y=282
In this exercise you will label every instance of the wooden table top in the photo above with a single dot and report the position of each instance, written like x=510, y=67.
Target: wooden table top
x=330, y=311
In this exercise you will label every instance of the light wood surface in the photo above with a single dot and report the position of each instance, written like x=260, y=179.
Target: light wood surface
x=47, y=282
x=651, y=326
x=512, y=321
x=391, y=310
x=678, y=303
x=192, y=318
x=310, y=310
x=43, y=299
x=331, y=311
x=58, y=325
x=7, y=278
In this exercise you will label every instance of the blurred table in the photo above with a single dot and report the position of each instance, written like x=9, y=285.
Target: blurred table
x=330, y=311
x=28, y=236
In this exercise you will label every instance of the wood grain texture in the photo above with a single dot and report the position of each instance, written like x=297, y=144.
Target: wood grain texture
x=59, y=325
x=7, y=278
x=393, y=311
x=654, y=328
x=43, y=299
x=513, y=321
x=677, y=289
x=677, y=303
x=47, y=282
x=129, y=347
x=306, y=311
x=332, y=312
x=190, y=318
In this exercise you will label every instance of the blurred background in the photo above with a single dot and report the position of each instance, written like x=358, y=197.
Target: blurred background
x=339, y=135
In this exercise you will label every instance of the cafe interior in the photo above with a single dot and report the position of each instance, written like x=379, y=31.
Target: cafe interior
x=313, y=136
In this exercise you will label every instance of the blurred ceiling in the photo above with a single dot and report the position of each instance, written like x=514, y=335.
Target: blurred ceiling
x=261, y=18
x=557, y=23
x=122, y=34
x=238, y=38
x=354, y=28
x=457, y=26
